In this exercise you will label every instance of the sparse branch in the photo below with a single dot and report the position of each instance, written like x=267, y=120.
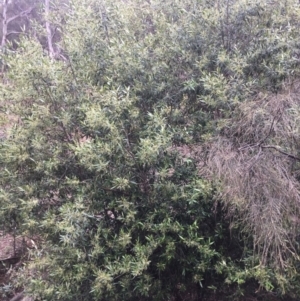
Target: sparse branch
x=104, y=20
x=18, y=297
x=19, y=15
x=6, y=20
x=281, y=151
x=66, y=133
x=271, y=128
x=13, y=32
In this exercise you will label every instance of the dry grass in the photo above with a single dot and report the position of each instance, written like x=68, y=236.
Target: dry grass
x=256, y=161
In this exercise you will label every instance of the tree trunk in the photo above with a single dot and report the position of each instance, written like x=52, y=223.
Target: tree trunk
x=48, y=29
x=4, y=23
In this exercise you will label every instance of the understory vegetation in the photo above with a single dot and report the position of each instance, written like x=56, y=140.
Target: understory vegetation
x=151, y=149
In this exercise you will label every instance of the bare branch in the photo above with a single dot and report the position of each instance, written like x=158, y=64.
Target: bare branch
x=282, y=152
x=13, y=32
x=271, y=129
x=6, y=20
x=69, y=138
x=20, y=15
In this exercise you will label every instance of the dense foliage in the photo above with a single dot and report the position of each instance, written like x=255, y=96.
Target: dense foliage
x=155, y=157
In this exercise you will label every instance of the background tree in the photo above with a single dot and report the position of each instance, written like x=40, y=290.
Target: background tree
x=14, y=15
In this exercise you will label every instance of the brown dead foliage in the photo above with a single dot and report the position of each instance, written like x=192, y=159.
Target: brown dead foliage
x=255, y=161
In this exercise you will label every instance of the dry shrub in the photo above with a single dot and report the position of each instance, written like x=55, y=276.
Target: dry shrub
x=255, y=158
